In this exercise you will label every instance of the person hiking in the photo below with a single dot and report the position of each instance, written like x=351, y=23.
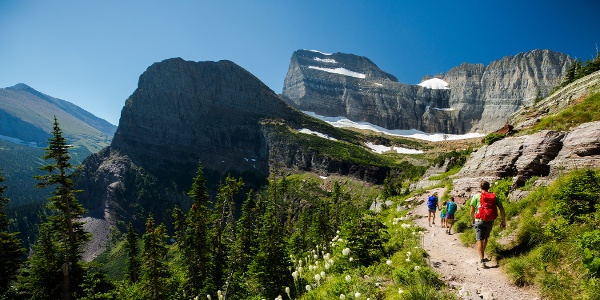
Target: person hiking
x=443, y=214
x=450, y=211
x=432, y=205
x=484, y=210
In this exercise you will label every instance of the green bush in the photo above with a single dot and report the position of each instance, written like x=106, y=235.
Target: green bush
x=493, y=137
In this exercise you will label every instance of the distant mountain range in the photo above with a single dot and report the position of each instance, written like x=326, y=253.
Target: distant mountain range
x=468, y=98
x=26, y=120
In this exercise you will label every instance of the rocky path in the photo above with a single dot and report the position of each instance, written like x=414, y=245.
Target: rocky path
x=458, y=264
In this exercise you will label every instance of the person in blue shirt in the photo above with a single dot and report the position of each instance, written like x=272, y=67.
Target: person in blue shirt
x=432, y=205
x=451, y=208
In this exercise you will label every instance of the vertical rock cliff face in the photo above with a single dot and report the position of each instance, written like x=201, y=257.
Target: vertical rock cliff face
x=486, y=96
x=479, y=98
x=181, y=113
x=353, y=86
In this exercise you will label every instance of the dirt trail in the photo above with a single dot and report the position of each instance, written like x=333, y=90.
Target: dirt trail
x=458, y=264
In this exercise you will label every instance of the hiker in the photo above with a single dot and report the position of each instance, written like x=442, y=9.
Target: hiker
x=450, y=211
x=443, y=214
x=432, y=205
x=484, y=210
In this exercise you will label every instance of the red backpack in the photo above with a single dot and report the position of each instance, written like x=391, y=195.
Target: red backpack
x=487, y=207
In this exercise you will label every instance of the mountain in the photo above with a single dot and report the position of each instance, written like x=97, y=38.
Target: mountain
x=26, y=120
x=217, y=113
x=27, y=115
x=468, y=98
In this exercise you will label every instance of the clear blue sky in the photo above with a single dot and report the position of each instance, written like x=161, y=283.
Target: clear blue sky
x=91, y=53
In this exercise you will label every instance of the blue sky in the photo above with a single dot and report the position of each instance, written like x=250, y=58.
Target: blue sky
x=91, y=53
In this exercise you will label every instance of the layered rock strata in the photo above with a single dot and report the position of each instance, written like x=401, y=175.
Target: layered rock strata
x=478, y=98
x=545, y=154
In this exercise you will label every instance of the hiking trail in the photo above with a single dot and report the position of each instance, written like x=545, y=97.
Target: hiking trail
x=458, y=265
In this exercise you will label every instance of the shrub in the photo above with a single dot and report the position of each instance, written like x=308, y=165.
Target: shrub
x=578, y=196
x=493, y=137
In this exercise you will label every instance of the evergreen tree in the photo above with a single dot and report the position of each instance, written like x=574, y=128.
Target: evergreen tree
x=224, y=226
x=197, y=247
x=66, y=232
x=268, y=272
x=42, y=279
x=132, y=249
x=243, y=250
x=11, y=251
x=154, y=270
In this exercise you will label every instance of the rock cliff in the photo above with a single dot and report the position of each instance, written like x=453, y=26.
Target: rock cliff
x=478, y=98
x=544, y=154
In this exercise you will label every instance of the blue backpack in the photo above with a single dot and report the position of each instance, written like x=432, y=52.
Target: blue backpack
x=432, y=201
x=451, y=208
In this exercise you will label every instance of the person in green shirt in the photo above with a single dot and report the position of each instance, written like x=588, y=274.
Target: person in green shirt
x=484, y=227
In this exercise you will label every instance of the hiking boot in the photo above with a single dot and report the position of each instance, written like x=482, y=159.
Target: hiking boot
x=482, y=264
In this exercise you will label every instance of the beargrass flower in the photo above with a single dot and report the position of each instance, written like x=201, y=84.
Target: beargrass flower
x=348, y=277
x=417, y=268
x=346, y=251
x=357, y=295
x=389, y=262
x=342, y=296
x=307, y=287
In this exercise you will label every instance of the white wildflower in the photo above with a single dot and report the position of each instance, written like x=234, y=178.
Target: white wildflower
x=307, y=287
x=322, y=274
x=389, y=262
x=348, y=277
x=346, y=251
x=357, y=295
x=351, y=259
x=417, y=268
x=342, y=296
x=400, y=291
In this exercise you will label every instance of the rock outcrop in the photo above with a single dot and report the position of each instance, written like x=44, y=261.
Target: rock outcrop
x=478, y=98
x=544, y=154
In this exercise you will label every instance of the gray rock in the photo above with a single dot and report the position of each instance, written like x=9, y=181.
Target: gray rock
x=479, y=99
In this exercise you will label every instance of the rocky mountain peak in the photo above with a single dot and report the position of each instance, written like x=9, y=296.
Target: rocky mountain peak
x=479, y=98
x=183, y=111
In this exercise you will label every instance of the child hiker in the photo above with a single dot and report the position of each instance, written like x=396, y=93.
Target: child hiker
x=443, y=214
x=450, y=211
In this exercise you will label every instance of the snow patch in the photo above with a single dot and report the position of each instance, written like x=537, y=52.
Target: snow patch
x=379, y=84
x=381, y=149
x=323, y=177
x=317, y=51
x=434, y=84
x=308, y=131
x=412, y=133
x=326, y=60
x=341, y=71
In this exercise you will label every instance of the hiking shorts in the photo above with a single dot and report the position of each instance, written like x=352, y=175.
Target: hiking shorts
x=450, y=216
x=432, y=209
x=483, y=229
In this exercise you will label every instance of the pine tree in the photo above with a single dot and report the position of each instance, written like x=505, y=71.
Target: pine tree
x=268, y=272
x=132, y=249
x=224, y=228
x=243, y=250
x=42, y=279
x=11, y=251
x=154, y=270
x=66, y=232
x=197, y=248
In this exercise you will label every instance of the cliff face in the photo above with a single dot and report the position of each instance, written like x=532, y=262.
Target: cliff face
x=479, y=98
x=353, y=86
x=545, y=154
